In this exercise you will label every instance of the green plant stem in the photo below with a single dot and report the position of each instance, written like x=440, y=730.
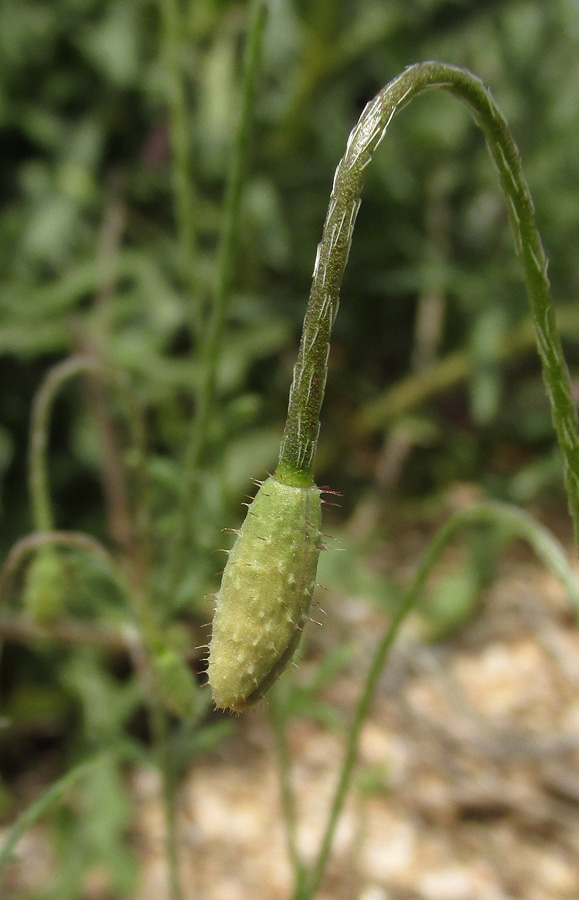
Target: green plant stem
x=160, y=733
x=307, y=391
x=55, y=380
x=277, y=719
x=135, y=585
x=136, y=543
x=519, y=524
x=182, y=175
x=205, y=409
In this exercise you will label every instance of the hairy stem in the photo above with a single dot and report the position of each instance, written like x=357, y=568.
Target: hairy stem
x=519, y=524
x=307, y=391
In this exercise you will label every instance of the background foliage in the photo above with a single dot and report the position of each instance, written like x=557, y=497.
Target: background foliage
x=104, y=247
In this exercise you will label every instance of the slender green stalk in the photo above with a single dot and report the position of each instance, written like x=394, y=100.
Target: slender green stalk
x=160, y=732
x=307, y=391
x=57, y=377
x=182, y=175
x=519, y=524
x=42, y=514
x=226, y=259
x=278, y=723
x=39, y=485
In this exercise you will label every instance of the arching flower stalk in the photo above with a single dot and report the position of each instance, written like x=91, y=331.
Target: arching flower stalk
x=268, y=581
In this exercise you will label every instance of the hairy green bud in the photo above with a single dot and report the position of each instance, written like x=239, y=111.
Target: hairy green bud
x=265, y=594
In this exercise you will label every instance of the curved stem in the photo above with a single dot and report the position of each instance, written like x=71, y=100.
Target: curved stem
x=307, y=391
x=520, y=525
x=32, y=542
x=57, y=377
x=135, y=587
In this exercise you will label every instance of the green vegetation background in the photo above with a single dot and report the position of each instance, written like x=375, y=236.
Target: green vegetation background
x=101, y=251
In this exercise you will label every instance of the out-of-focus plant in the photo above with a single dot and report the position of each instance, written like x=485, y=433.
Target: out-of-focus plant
x=74, y=591
x=144, y=320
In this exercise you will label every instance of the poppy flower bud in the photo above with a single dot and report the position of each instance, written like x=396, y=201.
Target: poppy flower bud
x=265, y=593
